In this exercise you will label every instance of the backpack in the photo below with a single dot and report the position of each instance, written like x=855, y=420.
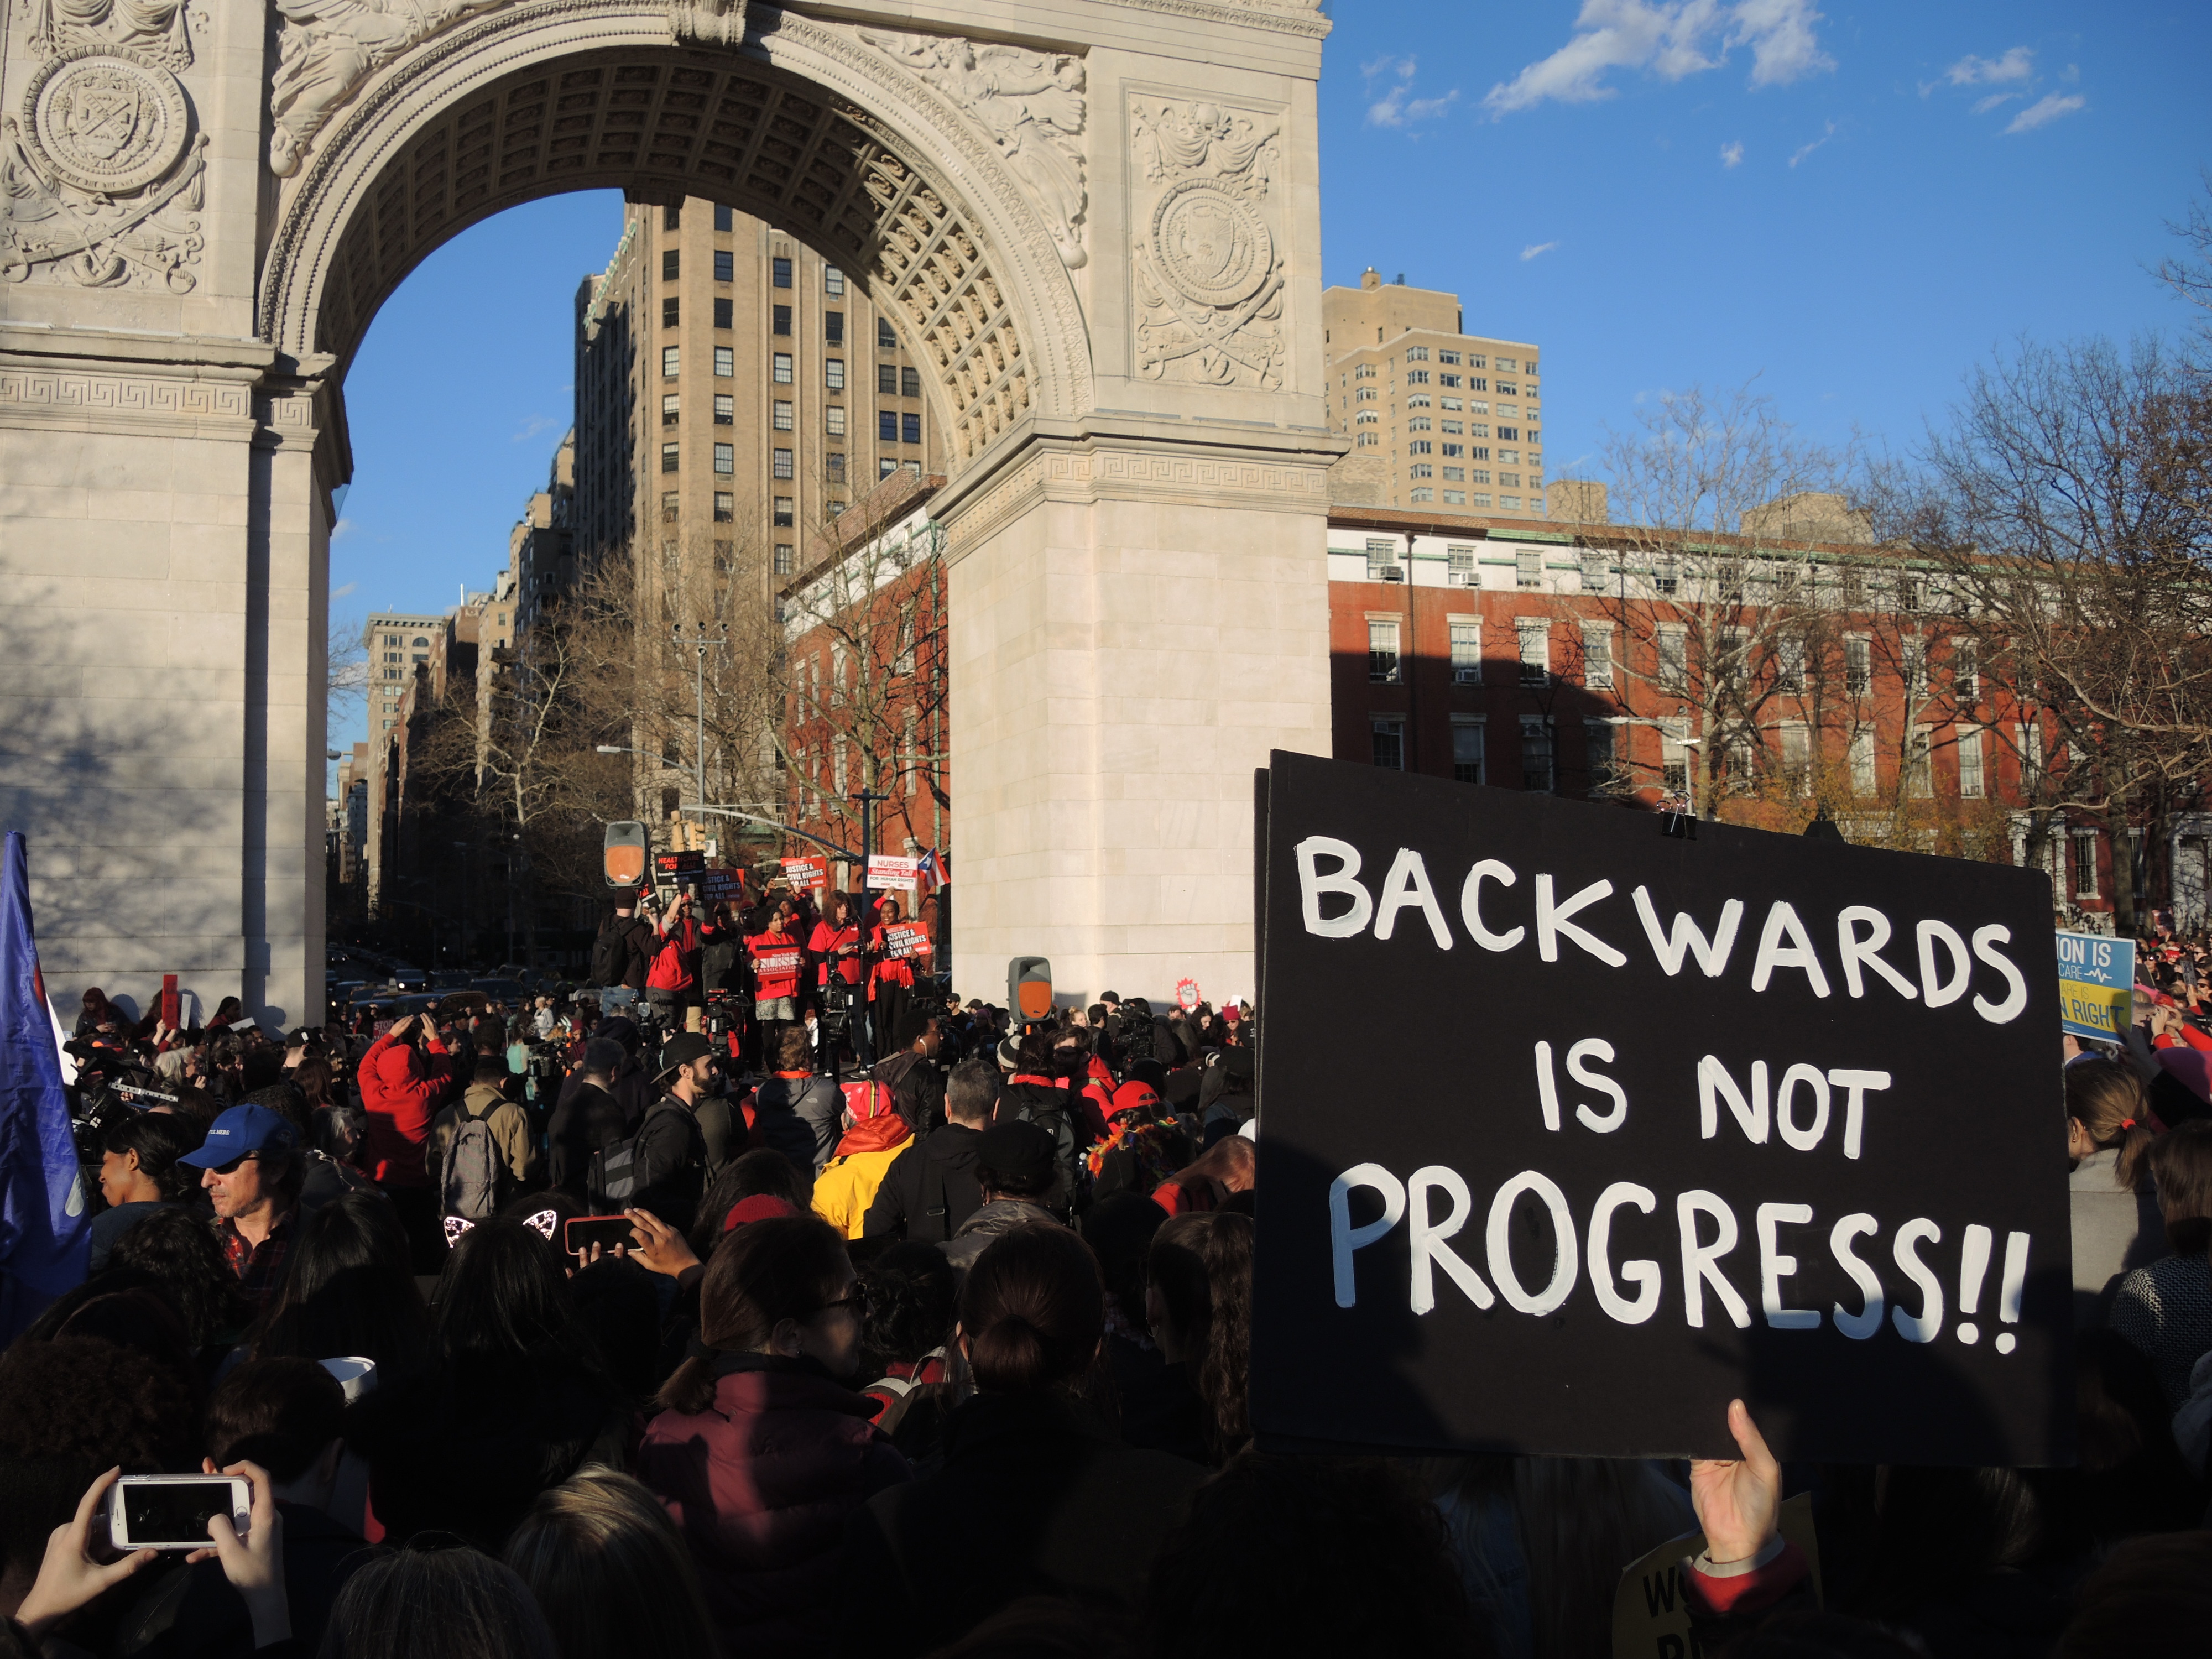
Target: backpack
x=469, y=1183
x=611, y=953
x=618, y=1173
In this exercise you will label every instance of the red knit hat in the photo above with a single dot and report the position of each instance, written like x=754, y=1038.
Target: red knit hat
x=761, y=1206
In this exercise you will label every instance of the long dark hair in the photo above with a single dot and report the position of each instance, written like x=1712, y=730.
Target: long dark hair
x=316, y=1081
x=1201, y=1265
x=1033, y=1312
x=504, y=1294
x=348, y=1290
x=766, y=1271
x=2181, y=1164
x=179, y=1249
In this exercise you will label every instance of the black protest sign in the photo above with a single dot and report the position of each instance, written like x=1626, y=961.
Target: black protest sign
x=1571, y=1132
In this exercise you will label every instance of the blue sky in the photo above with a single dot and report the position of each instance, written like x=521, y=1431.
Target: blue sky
x=1853, y=203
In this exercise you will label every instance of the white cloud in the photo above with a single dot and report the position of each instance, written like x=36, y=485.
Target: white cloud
x=1398, y=107
x=1808, y=148
x=1672, y=39
x=2017, y=64
x=341, y=592
x=1732, y=155
x=2045, y=110
x=1985, y=106
x=1534, y=249
x=532, y=427
x=343, y=527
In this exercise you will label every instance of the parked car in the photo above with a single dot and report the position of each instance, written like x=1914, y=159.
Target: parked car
x=511, y=991
x=413, y=978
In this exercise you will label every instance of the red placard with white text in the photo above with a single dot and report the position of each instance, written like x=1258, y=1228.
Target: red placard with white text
x=806, y=873
x=902, y=940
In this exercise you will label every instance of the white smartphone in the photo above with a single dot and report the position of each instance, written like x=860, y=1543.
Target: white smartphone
x=171, y=1511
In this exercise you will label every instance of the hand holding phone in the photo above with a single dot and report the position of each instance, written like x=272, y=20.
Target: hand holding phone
x=172, y=1512
x=71, y=1575
x=610, y=1233
x=254, y=1564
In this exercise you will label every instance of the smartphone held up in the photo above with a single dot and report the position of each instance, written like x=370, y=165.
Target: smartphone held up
x=171, y=1511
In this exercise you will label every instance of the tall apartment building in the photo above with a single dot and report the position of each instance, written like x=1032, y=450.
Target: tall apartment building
x=541, y=548
x=1453, y=418
x=733, y=391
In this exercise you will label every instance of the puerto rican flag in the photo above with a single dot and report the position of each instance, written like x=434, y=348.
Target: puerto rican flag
x=933, y=870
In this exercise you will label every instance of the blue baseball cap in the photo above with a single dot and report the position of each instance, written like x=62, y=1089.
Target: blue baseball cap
x=241, y=1130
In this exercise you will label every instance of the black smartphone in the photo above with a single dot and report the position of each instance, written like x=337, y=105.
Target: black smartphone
x=585, y=1230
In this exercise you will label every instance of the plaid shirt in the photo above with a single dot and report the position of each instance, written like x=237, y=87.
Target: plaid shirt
x=259, y=1267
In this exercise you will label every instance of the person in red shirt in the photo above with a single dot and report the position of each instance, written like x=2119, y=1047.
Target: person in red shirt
x=402, y=1086
x=776, y=958
x=835, y=946
x=671, y=983
x=890, y=983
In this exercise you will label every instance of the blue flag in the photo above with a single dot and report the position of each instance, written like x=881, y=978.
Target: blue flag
x=45, y=1236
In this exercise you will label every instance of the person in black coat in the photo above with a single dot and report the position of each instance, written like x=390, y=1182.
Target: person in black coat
x=588, y=1119
x=931, y=1187
x=671, y=1149
x=1035, y=1497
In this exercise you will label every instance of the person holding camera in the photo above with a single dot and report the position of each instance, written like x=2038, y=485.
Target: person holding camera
x=671, y=984
x=405, y=1076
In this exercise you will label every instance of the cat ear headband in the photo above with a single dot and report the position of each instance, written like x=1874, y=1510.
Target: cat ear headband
x=544, y=1221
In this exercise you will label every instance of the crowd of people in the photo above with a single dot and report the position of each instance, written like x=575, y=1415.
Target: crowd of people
x=773, y=1319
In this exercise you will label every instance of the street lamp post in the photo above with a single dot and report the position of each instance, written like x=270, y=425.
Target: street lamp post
x=702, y=641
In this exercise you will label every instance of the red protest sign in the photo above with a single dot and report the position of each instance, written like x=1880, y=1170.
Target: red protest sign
x=804, y=873
x=902, y=940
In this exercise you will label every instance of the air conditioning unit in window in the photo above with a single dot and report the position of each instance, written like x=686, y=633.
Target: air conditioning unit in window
x=1466, y=578
x=1393, y=573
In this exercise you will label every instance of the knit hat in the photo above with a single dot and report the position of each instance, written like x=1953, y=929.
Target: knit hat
x=1133, y=1095
x=761, y=1206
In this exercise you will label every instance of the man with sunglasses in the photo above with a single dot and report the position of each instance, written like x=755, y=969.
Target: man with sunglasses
x=252, y=1170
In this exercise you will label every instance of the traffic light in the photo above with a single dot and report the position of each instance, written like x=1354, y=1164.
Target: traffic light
x=623, y=854
x=1028, y=988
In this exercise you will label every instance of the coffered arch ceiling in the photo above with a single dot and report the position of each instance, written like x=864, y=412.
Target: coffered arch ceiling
x=806, y=126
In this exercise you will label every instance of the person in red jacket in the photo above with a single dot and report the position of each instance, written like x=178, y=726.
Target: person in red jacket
x=402, y=1086
x=762, y=1449
x=890, y=984
x=776, y=960
x=671, y=983
x=835, y=946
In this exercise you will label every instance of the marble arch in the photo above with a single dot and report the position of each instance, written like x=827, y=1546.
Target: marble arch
x=1098, y=220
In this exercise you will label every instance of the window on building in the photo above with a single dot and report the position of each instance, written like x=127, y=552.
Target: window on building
x=670, y=265
x=783, y=558
x=1466, y=748
x=1381, y=558
x=781, y=463
x=724, y=218
x=723, y=314
x=1383, y=667
x=1965, y=672
x=779, y=270
x=668, y=409
x=1453, y=449
x=1970, y=763
x=1534, y=636
x=1861, y=754
x=671, y=216
x=909, y=383
x=1420, y=446
x=1420, y=424
x=725, y=363
x=780, y=369
x=1416, y=377
x=724, y=266
x=833, y=374
x=1790, y=663
x=671, y=308
x=1527, y=568
x=833, y=282
x=1674, y=664
x=886, y=336
x=887, y=425
x=834, y=419
x=1388, y=738
x=887, y=379
x=910, y=428
x=1466, y=650
x=1597, y=655
x=1536, y=754
x=1459, y=562
x=780, y=415
x=2030, y=741
x=2084, y=845
x=1858, y=663
x=726, y=459
x=1597, y=756
x=1920, y=763
x=1417, y=353
x=725, y=507
x=833, y=327
x=668, y=362
x=779, y=319
x=669, y=501
x=1674, y=758
x=1912, y=664
x=885, y=465
x=1796, y=741
x=1667, y=574
x=783, y=516
x=836, y=459
x=726, y=409
x=668, y=454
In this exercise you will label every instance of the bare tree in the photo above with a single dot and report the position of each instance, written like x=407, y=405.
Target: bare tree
x=1715, y=596
x=2068, y=508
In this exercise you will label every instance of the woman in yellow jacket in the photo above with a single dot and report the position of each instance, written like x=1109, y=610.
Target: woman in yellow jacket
x=875, y=1137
